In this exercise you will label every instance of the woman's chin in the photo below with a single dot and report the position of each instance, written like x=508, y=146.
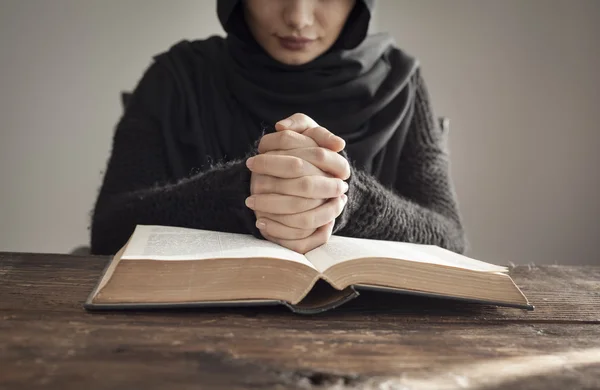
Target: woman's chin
x=289, y=57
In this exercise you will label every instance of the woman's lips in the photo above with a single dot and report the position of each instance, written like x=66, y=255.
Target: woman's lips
x=295, y=43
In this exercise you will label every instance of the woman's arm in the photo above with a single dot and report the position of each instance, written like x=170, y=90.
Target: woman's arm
x=137, y=187
x=423, y=208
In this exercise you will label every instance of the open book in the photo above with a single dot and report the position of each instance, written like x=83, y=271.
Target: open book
x=167, y=266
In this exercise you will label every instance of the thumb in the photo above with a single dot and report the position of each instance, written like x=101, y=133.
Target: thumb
x=297, y=122
x=301, y=123
x=326, y=139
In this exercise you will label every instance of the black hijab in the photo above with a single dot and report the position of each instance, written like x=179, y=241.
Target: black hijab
x=231, y=92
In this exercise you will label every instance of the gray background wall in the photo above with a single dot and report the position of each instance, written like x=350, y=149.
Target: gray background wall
x=517, y=78
x=63, y=64
x=520, y=81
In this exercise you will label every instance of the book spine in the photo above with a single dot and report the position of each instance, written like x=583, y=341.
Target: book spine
x=346, y=295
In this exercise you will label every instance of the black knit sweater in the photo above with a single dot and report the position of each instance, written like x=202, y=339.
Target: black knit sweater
x=138, y=189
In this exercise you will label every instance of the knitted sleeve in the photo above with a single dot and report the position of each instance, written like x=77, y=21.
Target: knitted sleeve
x=137, y=188
x=423, y=207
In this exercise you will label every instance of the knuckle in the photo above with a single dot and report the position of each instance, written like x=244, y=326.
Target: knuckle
x=319, y=154
x=286, y=137
x=306, y=185
x=310, y=132
x=321, y=131
x=296, y=166
x=310, y=138
x=303, y=121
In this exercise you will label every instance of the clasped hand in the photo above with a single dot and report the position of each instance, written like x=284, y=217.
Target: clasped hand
x=297, y=186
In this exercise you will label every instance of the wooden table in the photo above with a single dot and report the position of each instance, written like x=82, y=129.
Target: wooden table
x=379, y=341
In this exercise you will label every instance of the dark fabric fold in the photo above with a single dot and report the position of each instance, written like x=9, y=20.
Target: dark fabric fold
x=232, y=91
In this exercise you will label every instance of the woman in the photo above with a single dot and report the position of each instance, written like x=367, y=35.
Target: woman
x=191, y=148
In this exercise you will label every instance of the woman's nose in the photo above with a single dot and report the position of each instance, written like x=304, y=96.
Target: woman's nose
x=299, y=14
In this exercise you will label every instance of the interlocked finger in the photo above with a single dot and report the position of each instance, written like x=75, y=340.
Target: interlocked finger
x=285, y=140
x=311, y=219
x=314, y=187
x=318, y=238
x=282, y=166
x=282, y=204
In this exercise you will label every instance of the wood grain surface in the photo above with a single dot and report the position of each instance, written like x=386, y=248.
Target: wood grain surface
x=378, y=341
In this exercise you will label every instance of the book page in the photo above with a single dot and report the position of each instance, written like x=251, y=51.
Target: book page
x=339, y=249
x=175, y=243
